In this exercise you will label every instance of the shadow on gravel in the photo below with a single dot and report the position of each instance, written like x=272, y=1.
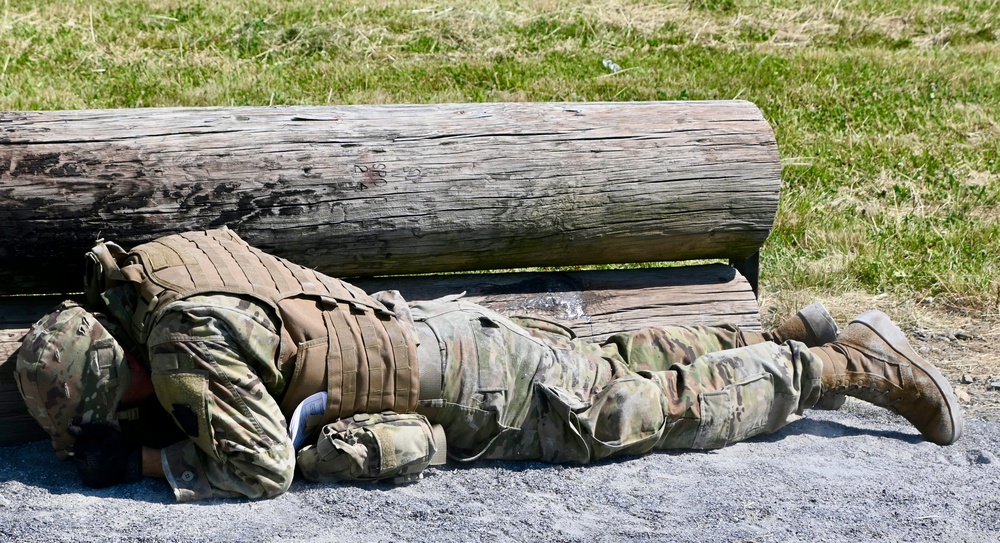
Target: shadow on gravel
x=833, y=430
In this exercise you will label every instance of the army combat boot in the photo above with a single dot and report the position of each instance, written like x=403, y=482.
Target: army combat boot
x=813, y=326
x=871, y=360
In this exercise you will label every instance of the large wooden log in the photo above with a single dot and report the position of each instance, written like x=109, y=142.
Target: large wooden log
x=16, y=425
x=373, y=190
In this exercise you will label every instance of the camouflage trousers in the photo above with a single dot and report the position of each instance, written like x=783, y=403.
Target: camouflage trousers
x=524, y=388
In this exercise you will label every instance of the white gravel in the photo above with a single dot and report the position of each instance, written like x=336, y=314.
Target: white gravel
x=860, y=474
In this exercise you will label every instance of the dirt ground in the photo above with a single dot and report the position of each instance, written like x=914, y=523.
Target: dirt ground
x=857, y=474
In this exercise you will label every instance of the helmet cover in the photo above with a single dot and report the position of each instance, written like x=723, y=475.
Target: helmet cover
x=71, y=370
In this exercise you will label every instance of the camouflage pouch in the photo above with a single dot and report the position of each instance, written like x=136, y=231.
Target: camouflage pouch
x=374, y=448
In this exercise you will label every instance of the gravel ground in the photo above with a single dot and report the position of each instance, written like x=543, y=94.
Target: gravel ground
x=859, y=474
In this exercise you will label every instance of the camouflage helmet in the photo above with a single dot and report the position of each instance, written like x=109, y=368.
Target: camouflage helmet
x=70, y=367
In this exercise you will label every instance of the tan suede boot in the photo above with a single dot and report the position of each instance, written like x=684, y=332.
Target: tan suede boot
x=813, y=326
x=872, y=360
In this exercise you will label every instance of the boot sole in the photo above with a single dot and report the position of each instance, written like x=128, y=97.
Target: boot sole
x=880, y=323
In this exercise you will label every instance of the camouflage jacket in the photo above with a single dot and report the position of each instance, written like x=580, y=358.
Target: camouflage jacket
x=212, y=361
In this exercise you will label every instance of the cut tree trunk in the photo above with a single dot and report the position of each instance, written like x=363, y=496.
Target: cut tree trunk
x=393, y=189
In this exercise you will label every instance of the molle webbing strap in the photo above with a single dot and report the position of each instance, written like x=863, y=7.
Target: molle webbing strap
x=407, y=378
x=283, y=276
x=431, y=362
x=372, y=359
x=356, y=362
x=225, y=263
x=365, y=371
x=341, y=364
x=249, y=265
x=399, y=383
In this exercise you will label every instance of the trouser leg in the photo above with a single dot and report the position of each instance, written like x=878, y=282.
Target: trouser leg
x=715, y=361
x=728, y=396
x=657, y=349
x=719, y=398
x=548, y=397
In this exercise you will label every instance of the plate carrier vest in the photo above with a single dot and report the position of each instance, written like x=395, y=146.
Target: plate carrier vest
x=339, y=339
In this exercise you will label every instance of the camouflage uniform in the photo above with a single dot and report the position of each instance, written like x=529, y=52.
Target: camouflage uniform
x=525, y=388
x=517, y=388
x=213, y=366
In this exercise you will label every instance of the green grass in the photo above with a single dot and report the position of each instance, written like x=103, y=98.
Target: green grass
x=887, y=112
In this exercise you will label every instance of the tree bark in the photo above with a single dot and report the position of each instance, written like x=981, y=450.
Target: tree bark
x=375, y=190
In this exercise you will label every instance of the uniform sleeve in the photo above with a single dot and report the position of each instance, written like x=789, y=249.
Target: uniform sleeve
x=207, y=378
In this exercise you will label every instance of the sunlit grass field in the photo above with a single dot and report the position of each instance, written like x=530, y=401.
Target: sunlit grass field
x=887, y=112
